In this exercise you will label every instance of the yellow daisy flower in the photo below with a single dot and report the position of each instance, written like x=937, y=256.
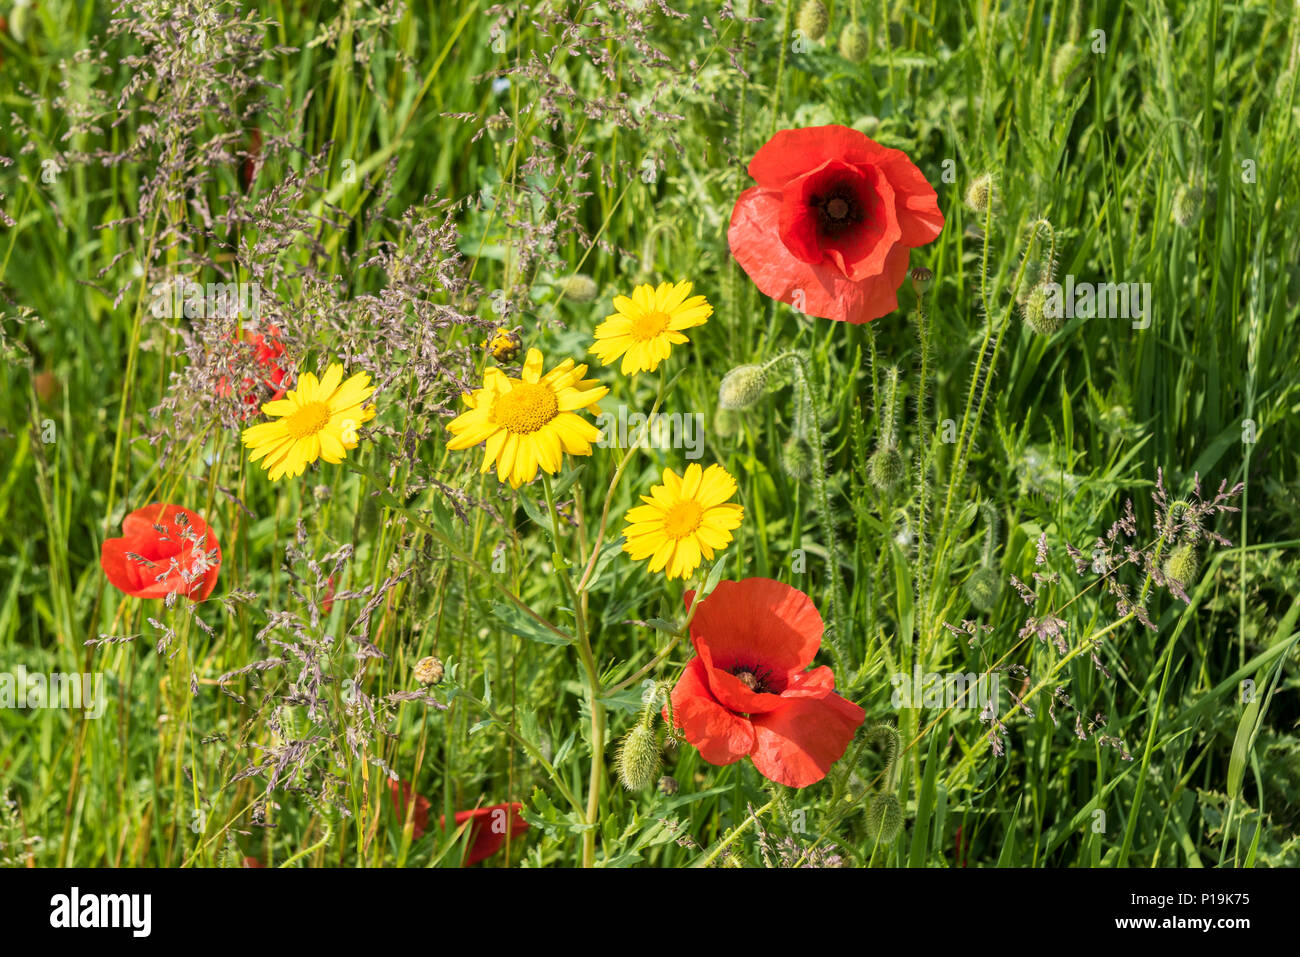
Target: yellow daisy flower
x=645, y=327
x=685, y=518
x=530, y=421
x=317, y=420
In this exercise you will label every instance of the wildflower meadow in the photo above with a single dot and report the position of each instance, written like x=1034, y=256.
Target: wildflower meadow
x=649, y=434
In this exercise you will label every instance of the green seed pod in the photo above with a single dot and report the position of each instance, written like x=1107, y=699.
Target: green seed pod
x=1181, y=565
x=884, y=817
x=980, y=193
x=854, y=43
x=813, y=19
x=796, y=459
x=638, y=758
x=885, y=468
x=983, y=588
x=921, y=279
x=1187, y=205
x=742, y=387
x=1036, y=314
x=579, y=287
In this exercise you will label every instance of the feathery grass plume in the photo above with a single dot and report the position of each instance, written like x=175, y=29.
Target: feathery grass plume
x=855, y=43
x=742, y=387
x=980, y=193
x=813, y=19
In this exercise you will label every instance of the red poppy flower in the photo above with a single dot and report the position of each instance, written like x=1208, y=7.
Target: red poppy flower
x=488, y=827
x=830, y=224
x=268, y=353
x=401, y=793
x=746, y=692
x=164, y=550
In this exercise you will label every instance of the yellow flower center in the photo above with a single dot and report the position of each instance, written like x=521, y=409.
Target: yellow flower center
x=683, y=519
x=525, y=408
x=649, y=326
x=308, y=420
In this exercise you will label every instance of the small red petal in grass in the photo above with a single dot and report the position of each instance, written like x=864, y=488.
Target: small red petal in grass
x=401, y=793
x=488, y=828
x=164, y=549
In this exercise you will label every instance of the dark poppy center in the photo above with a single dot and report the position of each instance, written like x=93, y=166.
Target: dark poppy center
x=838, y=210
x=752, y=678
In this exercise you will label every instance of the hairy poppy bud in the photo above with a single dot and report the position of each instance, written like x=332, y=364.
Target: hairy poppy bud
x=885, y=468
x=795, y=459
x=1187, y=205
x=983, y=587
x=884, y=817
x=428, y=671
x=1181, y=565
x=921, y=280
x=638, y=758
x=726, y=423
x=854, y=43
x=813, y=19
x=579, y=287
x=980, y=193
x=742, y=387
x=1036, y=314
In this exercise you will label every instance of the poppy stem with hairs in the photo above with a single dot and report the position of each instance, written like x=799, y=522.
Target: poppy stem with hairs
x=803, y=379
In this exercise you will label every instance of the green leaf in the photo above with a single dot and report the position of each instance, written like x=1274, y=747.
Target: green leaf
x=520, y=624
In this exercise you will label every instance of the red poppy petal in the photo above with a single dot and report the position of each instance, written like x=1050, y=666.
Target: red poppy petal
x=720, y=736
x=400, y=792
x=797, y=745
x=791, y=153
x=122, y=572
x=820, y=290
x=172, y=552
x=490, y=827
x=758, y=623
x=817, y=683
x=916, y=203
